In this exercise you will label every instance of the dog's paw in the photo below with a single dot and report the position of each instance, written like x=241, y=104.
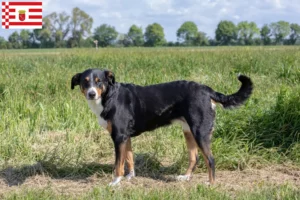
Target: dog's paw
x=207, y=183
x=183, y=177
x=115, y=182
x=130, y=175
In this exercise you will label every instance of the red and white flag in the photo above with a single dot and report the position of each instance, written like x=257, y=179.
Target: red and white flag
x=22, y=15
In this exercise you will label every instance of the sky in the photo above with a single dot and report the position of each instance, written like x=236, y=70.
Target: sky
x=171, y=14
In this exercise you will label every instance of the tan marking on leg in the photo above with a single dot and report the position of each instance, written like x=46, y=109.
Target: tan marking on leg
x=121, y=161
x=129, y=156
x=193, y=151
x=205, y=153
x=211, y=181
x=109, y=126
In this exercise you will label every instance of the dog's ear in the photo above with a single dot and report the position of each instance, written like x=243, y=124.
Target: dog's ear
x=75, y=80
x=110, y=77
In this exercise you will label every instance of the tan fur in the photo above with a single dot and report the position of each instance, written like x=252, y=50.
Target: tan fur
x=129, y=155
x=207, y=152
x=99, y=91
x=120, y=163
x=109, y=127
x=193, y=151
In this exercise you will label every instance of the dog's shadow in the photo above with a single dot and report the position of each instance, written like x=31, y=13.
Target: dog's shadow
x=146, y=165
x=13, y=176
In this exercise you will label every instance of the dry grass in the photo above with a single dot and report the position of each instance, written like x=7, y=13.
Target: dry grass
x=15, y=180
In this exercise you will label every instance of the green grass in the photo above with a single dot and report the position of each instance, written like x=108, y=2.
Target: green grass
x=42, y=120
x=197, y=192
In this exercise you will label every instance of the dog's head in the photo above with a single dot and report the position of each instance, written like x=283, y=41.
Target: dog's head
x=93, y=82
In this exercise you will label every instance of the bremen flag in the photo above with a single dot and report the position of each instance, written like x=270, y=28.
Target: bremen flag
x=22, y=15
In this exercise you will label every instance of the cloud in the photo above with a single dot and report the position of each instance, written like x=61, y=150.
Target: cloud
x=172, y=13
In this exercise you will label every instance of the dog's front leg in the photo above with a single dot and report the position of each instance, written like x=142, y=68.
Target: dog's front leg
x=129, y=160
x=120, y=154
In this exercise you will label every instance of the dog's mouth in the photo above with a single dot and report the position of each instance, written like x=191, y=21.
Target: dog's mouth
x=89, y=99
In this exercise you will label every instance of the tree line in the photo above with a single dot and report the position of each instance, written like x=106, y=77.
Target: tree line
x=61, y=30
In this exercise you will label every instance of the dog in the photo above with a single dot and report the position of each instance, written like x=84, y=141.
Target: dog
x=127, y=110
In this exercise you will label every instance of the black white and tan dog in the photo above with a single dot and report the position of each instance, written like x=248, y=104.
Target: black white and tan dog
x=127, y=110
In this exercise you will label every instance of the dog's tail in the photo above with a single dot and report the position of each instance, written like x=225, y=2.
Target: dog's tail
x=236, y=99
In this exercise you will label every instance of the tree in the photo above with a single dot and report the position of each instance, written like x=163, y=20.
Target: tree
x=246, y=31
x=295, y=33
x=3, y=43
x=80, y=24
x=59, y=26
x=187, y=33
x=154, y=35
x=135, y=35
x=280, y=30
x=124, y=40
x=265, y=34
x=25, y=38
x=63, y=25
x=42, y=38
x=226, y=32
x=201, y=39
x=14, y=39
x=105, y=35
x=87, y=42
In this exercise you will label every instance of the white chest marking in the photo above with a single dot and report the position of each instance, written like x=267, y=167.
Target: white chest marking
x=97, y=108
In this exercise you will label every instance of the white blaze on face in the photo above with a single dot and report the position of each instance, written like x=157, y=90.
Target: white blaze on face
x=92, y=89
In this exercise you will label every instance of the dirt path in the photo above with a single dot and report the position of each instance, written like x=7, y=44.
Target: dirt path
x=229, y=180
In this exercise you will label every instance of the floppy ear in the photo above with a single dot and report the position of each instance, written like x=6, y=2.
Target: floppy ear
x=110, y=77
x=75, y=80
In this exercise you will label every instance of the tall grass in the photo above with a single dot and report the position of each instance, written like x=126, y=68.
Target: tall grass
x=43, y=121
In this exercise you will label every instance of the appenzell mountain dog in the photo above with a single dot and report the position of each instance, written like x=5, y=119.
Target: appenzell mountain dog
x=127, y=110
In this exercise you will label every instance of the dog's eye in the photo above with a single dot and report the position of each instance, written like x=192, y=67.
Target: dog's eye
x=97, y=80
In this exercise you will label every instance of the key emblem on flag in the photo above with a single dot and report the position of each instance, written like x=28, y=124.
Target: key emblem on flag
x=22, y=15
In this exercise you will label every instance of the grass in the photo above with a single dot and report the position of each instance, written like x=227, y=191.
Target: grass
x=198, y=192
x=43, y=121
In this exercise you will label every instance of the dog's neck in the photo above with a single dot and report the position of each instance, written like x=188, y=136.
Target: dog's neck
x=101, y=106
x=96, y=106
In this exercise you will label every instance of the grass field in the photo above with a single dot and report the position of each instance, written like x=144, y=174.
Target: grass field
x=51, y=146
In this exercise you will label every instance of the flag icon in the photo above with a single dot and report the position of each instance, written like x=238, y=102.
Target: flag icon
x=22, y=15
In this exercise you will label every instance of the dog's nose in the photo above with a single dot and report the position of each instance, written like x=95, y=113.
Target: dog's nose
x=92, y=94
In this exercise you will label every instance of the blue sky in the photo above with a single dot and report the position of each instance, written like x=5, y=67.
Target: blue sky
x=172, y=13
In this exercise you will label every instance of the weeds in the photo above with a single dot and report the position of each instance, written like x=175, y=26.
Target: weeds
x=42, y=120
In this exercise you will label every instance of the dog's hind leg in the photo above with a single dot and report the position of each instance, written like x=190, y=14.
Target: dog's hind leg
x=204, y=142
x=193, y=155
x=129, y=160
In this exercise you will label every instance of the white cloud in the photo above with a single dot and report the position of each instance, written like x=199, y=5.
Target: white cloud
x=172, y=13
x=114, y=15
x=236, y=17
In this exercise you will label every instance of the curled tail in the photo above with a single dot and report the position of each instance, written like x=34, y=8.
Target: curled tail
x=236, y=99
